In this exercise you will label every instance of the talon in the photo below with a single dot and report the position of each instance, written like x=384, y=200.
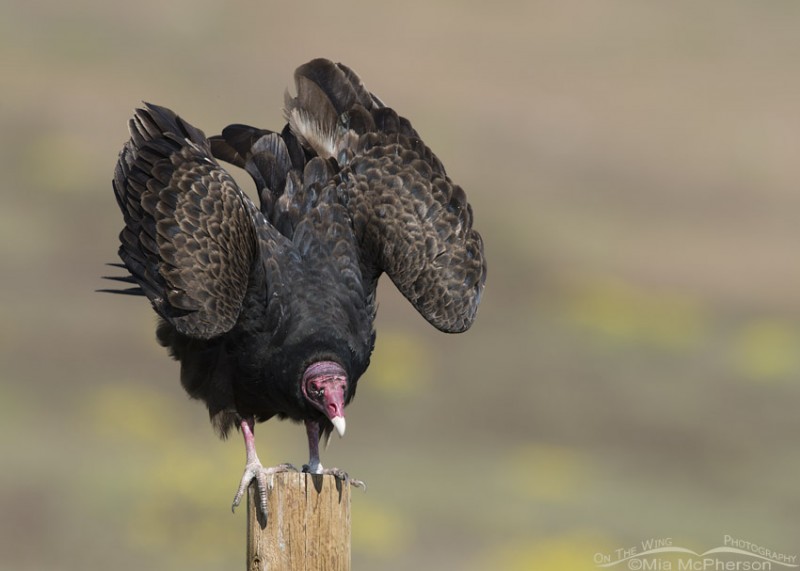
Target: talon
x=314, y=466
x=340, y=475
x=255, y=471
x=358, y=484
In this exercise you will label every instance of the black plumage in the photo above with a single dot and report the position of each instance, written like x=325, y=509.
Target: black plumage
x=270, y=309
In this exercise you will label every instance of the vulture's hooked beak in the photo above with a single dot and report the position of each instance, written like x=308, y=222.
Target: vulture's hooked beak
x=325, y=386
x=339, y=424
x=333, y=405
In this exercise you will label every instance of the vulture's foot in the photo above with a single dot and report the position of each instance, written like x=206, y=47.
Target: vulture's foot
x=253, y=470
x=340, y=475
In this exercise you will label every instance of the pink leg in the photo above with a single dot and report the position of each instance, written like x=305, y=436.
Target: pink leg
x=248, y=429
x=253, y=470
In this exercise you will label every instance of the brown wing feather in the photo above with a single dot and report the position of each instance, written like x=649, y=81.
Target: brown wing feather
x=416, y=225
x=189, y=238
x=410, y=220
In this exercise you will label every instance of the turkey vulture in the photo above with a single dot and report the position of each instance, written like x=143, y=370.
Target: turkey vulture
x=270, y=310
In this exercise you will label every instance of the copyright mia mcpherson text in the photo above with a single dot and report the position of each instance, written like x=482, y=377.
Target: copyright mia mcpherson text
x=661, y=554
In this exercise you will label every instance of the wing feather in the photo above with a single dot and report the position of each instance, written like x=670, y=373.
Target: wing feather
x=410, y=220
x=189, y=239
x=415, y=224
x=407, y=217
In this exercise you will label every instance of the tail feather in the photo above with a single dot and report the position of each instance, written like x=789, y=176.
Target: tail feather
x=364, y=96
x=327, y=93
x=270, y=161
x=263, y=154
x=235, y=143
x=125, y=279
x=128, y=291
x=312, y=117
x=339, y=83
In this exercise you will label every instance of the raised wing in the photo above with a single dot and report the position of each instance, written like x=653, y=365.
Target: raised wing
x=413, y=223
x=410, y=220
x=189, y=240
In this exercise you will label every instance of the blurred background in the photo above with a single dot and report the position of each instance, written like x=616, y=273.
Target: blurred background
x=634, y=371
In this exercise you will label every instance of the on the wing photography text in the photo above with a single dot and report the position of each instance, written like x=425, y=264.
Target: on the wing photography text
x=663, y=554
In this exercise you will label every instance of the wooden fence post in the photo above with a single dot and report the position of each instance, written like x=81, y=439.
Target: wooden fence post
x=307, y=527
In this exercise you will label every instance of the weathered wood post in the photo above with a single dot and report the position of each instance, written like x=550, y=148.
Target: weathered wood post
x=307, y=527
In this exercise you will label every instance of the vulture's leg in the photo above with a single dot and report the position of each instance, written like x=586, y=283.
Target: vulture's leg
x=314, y=466
x=253, y=470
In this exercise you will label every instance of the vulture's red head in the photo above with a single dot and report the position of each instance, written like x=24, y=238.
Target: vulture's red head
x=325, y=387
